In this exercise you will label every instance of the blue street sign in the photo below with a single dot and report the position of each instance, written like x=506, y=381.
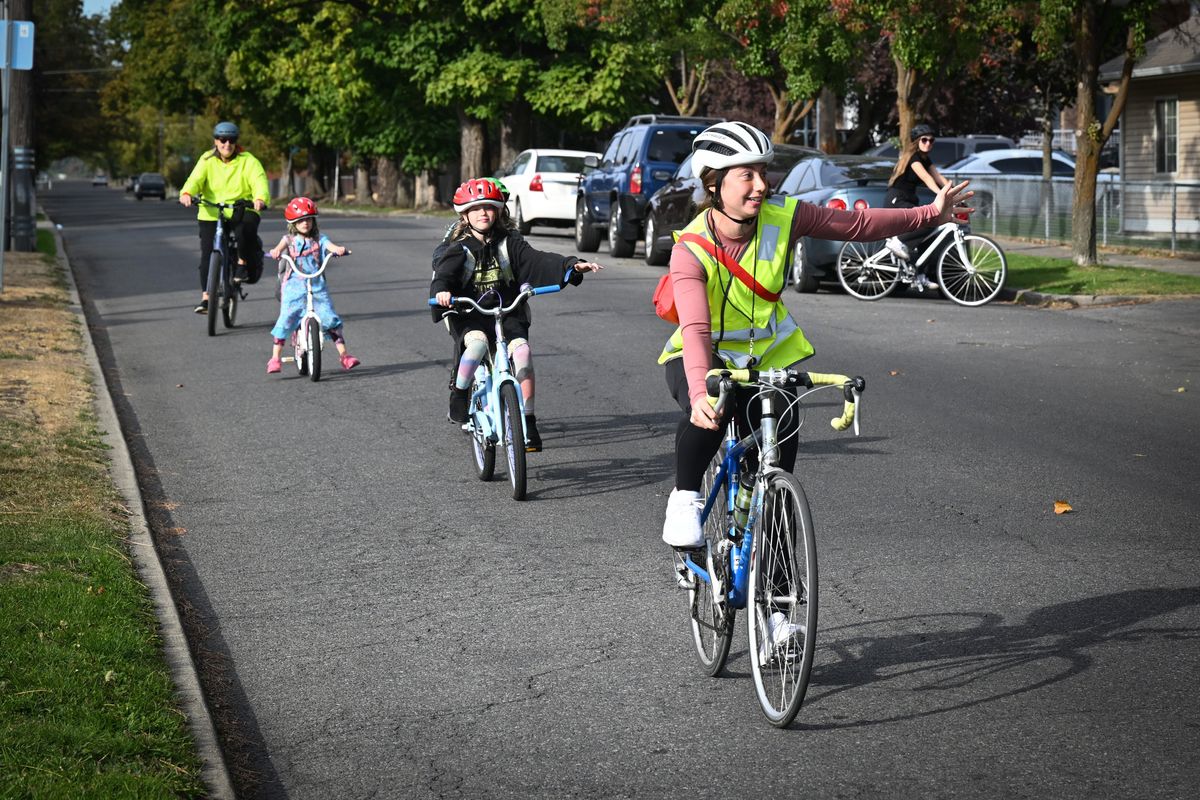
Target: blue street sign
x=22, y=51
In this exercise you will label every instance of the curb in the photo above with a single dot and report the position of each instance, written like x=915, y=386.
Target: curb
x=213, y=770
x=1031, y=298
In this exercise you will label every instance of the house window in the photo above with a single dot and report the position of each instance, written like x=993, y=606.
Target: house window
x=1166, y=135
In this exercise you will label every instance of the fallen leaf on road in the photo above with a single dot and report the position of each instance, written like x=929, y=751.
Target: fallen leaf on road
x=179, y=386
x=894, y=373
x=1062, y=507
x=1181, y=389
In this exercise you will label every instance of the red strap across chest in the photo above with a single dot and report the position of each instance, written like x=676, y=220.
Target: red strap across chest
x=728, y=263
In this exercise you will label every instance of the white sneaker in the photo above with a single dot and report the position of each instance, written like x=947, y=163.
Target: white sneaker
x=681, y=528
x=898, y=248
x=779, y=630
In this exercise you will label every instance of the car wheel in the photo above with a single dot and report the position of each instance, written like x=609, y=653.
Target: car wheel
x=655, y=255
x=522, y=226
x=803, y=278
x=587, y=238
x=618, y=246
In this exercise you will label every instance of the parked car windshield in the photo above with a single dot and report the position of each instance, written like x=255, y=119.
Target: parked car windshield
x=560, y=163
x=671, y=144
x=151, y=177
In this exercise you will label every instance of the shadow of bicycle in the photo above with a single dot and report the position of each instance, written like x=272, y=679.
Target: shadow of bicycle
x=941, y=655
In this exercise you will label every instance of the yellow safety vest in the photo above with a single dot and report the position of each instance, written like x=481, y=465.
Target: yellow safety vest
x=772, y=338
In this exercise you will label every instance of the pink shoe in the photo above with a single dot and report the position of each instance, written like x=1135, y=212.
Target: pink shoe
x=349, y=362
x=274, y=365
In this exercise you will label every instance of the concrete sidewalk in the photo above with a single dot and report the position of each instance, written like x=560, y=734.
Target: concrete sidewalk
x=1187, y=264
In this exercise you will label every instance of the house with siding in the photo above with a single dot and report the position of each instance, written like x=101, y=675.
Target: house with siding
x=1160, y=134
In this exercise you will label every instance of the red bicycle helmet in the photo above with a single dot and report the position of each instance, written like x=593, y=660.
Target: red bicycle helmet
x=300, y=208
x=477, y=192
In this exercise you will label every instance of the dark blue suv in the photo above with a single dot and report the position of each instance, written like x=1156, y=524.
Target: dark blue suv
x=615, y=190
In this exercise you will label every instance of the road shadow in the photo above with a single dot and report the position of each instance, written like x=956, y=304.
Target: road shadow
x=241, y=740
x=945, y=654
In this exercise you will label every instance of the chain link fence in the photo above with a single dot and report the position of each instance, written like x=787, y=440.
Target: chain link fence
x=1163, y=215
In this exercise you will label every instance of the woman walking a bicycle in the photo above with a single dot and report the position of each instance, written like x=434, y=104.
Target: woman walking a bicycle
x=728, y=268
x=223, y=175
x=480, y=256
x=914, y=170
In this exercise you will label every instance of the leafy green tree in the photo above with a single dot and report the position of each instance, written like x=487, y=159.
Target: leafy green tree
x=1094, y=29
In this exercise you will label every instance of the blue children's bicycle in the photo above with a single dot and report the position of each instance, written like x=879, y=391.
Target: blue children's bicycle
x=309, y=338
x=760, y=553
x=496, y=406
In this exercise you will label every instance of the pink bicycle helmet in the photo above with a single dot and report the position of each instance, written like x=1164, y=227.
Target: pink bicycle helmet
x=300, y=208
x=477, y=192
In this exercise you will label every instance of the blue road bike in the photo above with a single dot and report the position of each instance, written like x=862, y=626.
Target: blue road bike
x=760, y=552
x=223, y=293
x=496, y=406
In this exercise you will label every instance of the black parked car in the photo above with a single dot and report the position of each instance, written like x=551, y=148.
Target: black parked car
x=844, y=182
x=674, y=205
x=150, y=184
x=616, y=188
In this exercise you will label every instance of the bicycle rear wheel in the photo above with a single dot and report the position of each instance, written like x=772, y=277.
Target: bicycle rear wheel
x=977, y=281
x=312, y=334
x=782, y=606
x=514, y=439
x=866, y=281
x=230, y=306
x=711, y=621
x=212, y=286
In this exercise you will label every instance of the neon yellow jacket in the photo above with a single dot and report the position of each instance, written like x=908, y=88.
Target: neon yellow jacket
x=242, y=178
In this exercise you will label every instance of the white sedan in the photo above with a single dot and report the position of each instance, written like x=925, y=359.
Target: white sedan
x=1010, y=181
x=542, y=186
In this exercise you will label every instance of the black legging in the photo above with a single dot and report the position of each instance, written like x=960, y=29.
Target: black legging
x=247, y=242
x=695, y=447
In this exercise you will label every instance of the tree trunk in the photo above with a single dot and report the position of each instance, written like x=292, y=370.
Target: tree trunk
x=689, y=91
x=314, y=182
x=1047, y=136
x=387, y=181
x=906, y=79
x=405, y=190
x=362, y=181
x=515, y=133
x=472, y=144
x=425, y=189
x=827, y=137
x=21, y=196
x=788, y=113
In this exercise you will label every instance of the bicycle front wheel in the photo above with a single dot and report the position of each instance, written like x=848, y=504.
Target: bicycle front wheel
x=514, y=439
x=213, y=286
x=483, y=451
x=711, y=619
x=977, y=280
x=312, y=339
x=782, y=618
x=866, y=280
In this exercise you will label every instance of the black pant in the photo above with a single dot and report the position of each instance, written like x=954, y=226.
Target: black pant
x=247, y=233
x=695, y=447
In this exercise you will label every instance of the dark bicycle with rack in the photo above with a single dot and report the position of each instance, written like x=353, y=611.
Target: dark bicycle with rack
x=223, y=293
x=760, y=552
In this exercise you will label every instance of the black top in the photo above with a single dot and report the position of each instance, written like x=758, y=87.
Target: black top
x=907, y=182
x=468, y=268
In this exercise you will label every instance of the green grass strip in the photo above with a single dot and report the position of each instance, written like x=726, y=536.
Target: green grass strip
x=1063, y=276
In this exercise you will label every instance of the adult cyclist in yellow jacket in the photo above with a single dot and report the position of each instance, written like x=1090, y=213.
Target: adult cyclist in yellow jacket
x=222, y=175
x=727, y=269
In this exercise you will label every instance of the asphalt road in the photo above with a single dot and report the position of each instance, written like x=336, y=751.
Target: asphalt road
x=372, y=621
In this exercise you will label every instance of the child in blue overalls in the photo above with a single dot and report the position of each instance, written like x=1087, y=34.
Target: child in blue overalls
x=307, y=248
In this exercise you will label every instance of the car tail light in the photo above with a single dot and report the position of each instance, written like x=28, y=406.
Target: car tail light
x=964, y=217
x=861, y=204
x=837, y=203
x=535, y=185
x=635, y=180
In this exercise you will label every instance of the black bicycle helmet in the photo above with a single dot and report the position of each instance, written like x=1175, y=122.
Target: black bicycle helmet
x=921, y=130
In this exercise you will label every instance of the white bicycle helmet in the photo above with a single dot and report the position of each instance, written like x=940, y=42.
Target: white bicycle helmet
x=730, y=144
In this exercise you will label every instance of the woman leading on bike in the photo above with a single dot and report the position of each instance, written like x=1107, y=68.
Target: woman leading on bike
x=728, y=269
x=913, y=170
x=481, y=256
x=223, y=175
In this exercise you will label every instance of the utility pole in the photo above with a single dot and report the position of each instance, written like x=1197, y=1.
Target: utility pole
x=24, y=221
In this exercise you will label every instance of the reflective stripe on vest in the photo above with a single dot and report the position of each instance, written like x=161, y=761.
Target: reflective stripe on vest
x=772, y=338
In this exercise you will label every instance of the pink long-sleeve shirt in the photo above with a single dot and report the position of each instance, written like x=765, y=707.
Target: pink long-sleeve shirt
x=689, y=278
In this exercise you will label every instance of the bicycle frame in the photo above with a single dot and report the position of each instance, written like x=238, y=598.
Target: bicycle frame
x=883, y=258
x=301, y=343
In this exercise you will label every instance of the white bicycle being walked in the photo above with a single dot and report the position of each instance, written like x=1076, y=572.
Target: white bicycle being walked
x=970, y=268
x=309, y=338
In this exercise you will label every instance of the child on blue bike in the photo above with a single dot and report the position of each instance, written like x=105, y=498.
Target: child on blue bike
x=307, y=248
x=481, y=256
